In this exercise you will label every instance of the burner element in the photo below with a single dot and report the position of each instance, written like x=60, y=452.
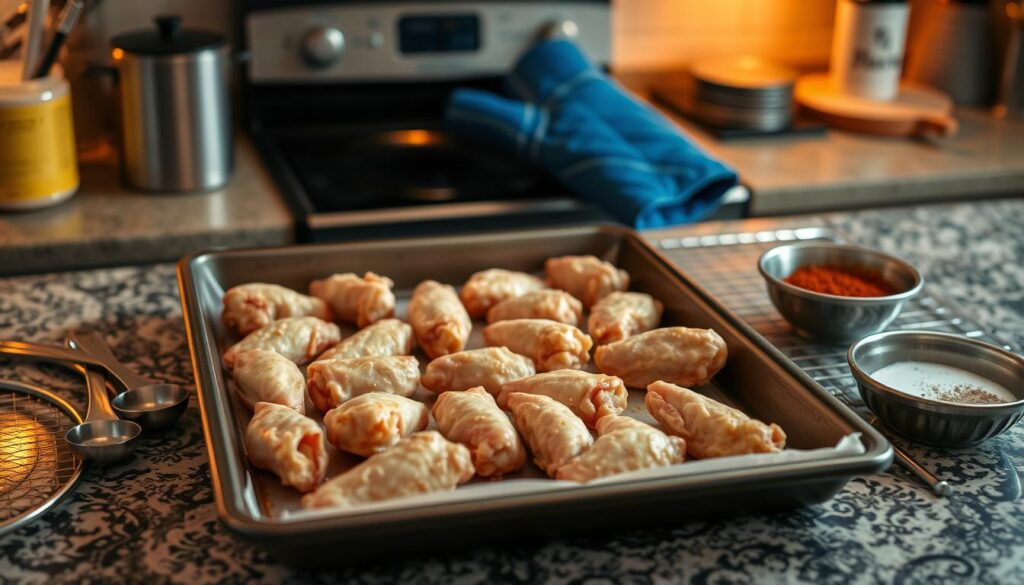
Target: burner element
x=398, y=168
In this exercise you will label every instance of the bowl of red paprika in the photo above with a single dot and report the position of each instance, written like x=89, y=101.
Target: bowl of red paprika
x=837, y=293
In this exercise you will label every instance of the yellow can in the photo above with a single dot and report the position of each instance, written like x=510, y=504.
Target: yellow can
x=37, y=140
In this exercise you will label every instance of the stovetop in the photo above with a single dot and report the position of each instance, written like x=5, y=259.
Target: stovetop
x=393, y=167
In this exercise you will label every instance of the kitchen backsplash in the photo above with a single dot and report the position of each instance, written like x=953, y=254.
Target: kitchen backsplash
x=655, y=34
x=648, y=34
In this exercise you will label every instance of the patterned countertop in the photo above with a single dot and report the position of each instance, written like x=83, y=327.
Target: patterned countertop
x=153, y=519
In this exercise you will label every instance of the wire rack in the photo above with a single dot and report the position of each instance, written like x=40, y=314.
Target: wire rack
x=36, y=465
x=726, y=265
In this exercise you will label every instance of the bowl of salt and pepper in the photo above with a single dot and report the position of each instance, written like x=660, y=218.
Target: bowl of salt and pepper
x=934, y=388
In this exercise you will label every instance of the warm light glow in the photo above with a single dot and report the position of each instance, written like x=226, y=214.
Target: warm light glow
x=19, y=448
x=413, y=137
x=117, y=54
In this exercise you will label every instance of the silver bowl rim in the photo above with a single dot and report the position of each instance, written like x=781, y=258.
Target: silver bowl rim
x=865, y=379
x=816, y=296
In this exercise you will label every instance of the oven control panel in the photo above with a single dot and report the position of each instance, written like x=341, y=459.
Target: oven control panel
x=412, y=41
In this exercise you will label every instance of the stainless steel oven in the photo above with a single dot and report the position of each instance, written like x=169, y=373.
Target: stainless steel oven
x=345, y=100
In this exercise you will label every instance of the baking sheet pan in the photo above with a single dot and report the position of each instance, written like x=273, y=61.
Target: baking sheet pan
x=253, y=503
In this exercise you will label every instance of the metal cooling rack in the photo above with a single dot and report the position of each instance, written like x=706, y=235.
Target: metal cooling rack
x=726, y=265
x=37, y=467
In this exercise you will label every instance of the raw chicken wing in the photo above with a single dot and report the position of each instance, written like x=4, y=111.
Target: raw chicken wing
x=266, y=376
x=587, y=278
x=688, y=357
x=623, y=314
x=555, y=435
x=472, y=418
x=489, y=367
x=247, y=307
x=291, y=445
x=556, y=305
x=487, y=288
x=332, y=382
x=372, y=422
x=589, y=396
x=299, y=339
x=357, y=300
x=550, y=344
x=420, y=463
x=383, y=338
x=624, y=444
x=438, y=318
x=711, y=429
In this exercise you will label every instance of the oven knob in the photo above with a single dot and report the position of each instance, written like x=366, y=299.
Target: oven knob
x=322, y=46
x=560, y=29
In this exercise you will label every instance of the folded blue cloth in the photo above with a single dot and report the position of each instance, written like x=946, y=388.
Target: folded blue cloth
x=611, y=150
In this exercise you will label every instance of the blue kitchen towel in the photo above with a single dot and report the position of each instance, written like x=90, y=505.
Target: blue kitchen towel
x=619, y=154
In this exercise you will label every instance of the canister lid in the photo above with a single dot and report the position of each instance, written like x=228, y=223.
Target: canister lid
x=168, y=39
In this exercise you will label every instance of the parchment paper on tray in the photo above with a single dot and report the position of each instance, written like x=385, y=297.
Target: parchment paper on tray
x=847, y=446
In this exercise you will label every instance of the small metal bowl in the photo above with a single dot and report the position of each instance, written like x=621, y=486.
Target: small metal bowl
x=834, y=318
x=935, y=422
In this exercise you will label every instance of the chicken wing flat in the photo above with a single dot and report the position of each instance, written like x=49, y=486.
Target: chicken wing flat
x=438, y=318
x=552, y=304
x=372, y=422
x=287, y=443
x=265, y=376
x=332, y=382
x=472, y=418
x=684, y=356
x=588, y=278
x=420, y=463
x=299, y=339
x=589, y=396
x=623, y=314
x=248, y=307
x=487, y=288
x=623, y=444
x=550, y=344
x=362, y=301
x=384, y=338
x=711, y=429
x=555, y=435
x=490, y=367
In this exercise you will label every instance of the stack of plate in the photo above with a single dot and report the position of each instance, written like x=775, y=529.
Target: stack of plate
x=746, y=93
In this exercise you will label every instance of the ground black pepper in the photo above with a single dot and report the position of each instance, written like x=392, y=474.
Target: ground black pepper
x=963, y=394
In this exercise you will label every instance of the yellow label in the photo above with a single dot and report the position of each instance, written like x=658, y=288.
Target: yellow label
x=37, y=150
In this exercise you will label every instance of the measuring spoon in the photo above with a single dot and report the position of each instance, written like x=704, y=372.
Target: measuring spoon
x=160, y=407
x=103, y=437
x=152, y=404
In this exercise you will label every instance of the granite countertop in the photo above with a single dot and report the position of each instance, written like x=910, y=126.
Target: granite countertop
x=843, y=170
x=153, y=519
x=106, y=224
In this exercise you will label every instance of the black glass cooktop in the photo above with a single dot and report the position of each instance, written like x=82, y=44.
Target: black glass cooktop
x=403, y=167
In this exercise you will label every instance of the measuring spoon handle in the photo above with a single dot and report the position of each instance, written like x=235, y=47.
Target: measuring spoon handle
x=51, y=353
x=99, y=404
x=46, y=353
x=93, y=344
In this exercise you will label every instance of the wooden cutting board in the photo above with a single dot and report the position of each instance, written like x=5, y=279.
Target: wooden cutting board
x=917, y=111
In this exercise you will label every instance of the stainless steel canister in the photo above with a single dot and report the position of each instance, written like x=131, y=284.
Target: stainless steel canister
x=175, y=107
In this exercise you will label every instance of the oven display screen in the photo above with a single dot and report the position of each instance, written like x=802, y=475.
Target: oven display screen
x=439, y=34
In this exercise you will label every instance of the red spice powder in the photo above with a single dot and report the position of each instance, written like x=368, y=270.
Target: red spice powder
x=831, y=280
